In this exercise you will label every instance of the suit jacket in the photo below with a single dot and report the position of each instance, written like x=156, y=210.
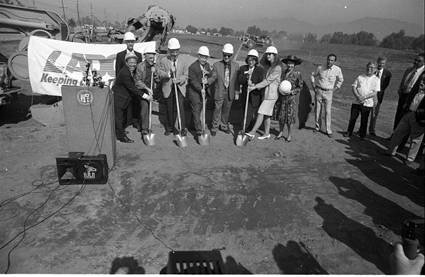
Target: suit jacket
x=195, y=77
x=124, y=87
x=271, y=82
x=403, y=80
x=182, y=71
x=420, y=113
x=256, y=77
x=385, y=79
x=120, y=60
x=413, y=92
x=217, y=78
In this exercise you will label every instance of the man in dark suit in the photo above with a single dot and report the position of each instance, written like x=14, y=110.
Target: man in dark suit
x=385, y=77
x=199, y=71
x=133, y=111
x=409, y=85
x=224, y=78
x=124, y=88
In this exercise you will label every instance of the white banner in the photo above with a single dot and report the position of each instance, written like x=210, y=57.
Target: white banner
x=53, y=63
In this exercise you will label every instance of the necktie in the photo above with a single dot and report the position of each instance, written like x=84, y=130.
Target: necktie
x=226, y=76
x=378, y=73
x=408, y=81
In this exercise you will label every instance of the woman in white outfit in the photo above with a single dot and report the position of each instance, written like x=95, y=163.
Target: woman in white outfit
x=271, y=83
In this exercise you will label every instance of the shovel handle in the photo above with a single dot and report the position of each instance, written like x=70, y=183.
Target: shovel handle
x=177, y=104
x=150, y=106
x=246, y=103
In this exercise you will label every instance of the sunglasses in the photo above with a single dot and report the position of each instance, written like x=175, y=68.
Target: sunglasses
x=227, y=55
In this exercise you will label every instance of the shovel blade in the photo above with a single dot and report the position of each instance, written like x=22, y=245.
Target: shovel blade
x=204, y=139
x=149, y=139
x=181, y=141
x=242, y=140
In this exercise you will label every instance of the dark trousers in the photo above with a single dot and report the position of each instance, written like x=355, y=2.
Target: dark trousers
x=144, y=115
x=357, y=109
x=221, y=113
x=171, y=110
x=400, y=110
x=120, y=120
x=195, y=100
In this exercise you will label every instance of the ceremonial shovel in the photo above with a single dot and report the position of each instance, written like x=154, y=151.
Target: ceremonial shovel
x=181, y=140
x=150, y=137
x=242, y=139
x=204, y=139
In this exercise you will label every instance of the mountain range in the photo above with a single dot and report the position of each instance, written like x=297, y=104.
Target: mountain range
x=381, y=27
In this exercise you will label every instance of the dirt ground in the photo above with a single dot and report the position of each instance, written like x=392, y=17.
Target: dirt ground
x=314, y=205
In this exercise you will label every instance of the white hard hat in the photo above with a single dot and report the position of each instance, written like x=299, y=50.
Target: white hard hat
x=130, y=55
x=150, y=49
x=285, y=87
x=203, y=50
x=271, y=49
x=173, y=44
x=228, y=48
x=129, y=36
x=253, y=52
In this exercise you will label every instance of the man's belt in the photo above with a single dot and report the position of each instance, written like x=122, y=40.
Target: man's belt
x=325, y=89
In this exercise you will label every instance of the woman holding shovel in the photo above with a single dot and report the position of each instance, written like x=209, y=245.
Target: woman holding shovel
x=251, y=73
x=287, y=100
x=271, y=83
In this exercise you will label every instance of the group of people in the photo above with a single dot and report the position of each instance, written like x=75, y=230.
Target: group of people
x=259, y=80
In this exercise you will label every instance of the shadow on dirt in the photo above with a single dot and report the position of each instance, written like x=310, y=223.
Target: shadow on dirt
x=356, y=236
x=383, y=211
x=384, y=171
x=126, y=265
x=294, y=258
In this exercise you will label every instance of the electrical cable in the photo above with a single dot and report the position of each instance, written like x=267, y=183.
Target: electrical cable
x=82, y=187
x=24, y=231
x=139, y=220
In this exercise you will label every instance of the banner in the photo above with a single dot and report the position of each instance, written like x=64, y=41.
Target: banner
x=53, y=63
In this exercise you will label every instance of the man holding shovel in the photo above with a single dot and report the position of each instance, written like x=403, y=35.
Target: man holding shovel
x=224, y=75
x=199, y=71
x=145, y=75
x=174, y=74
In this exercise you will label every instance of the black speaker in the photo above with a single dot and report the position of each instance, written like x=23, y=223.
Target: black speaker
x=80, y=169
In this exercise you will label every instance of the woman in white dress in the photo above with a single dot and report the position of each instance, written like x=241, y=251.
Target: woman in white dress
x=271, y=83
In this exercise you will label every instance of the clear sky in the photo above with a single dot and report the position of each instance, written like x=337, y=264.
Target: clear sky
x=236, y=13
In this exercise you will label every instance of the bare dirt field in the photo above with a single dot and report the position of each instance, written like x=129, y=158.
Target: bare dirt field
x=315, y=205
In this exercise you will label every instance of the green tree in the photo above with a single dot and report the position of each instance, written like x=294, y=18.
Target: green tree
x=226, y=31
x=191, y=29
x=418, y=43
x=71, y=23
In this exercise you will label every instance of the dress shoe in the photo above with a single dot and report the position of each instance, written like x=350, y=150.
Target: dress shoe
x=264, y=137
x=316, y=130
x=330, y=135
x=250, y=137
x=126, y=140
x=167, y=133
x=213, y=133
x=373, y=134
x=225, y=130
x=184, y=132
x=347, y=135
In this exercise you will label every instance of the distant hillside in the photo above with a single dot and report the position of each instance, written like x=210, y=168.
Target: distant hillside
x=381, y=27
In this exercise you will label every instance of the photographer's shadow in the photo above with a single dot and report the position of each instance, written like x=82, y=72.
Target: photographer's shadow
x=126, y=265
x=294, y=258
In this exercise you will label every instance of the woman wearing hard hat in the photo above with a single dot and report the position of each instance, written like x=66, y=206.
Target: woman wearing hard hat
x=287, y=99
x=251, y=73
x=271, y=83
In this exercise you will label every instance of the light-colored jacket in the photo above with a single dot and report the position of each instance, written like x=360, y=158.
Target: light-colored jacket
x=182, y=72
x=271, y=83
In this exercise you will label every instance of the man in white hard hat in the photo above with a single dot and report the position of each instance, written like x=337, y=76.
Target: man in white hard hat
x=133, y=111
x=224, y=75
x=174, y=74
x=199, y=71
x=145, y=76
x=124, y=88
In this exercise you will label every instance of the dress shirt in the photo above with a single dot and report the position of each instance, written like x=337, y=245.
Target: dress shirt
x=416, y=100
x=365, y=85
x=327, y=78
x=379, y=75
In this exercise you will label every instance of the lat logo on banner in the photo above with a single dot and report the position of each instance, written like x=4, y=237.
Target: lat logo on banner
x=60, y=74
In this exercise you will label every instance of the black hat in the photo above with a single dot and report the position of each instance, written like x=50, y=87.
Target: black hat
x=293, y=59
